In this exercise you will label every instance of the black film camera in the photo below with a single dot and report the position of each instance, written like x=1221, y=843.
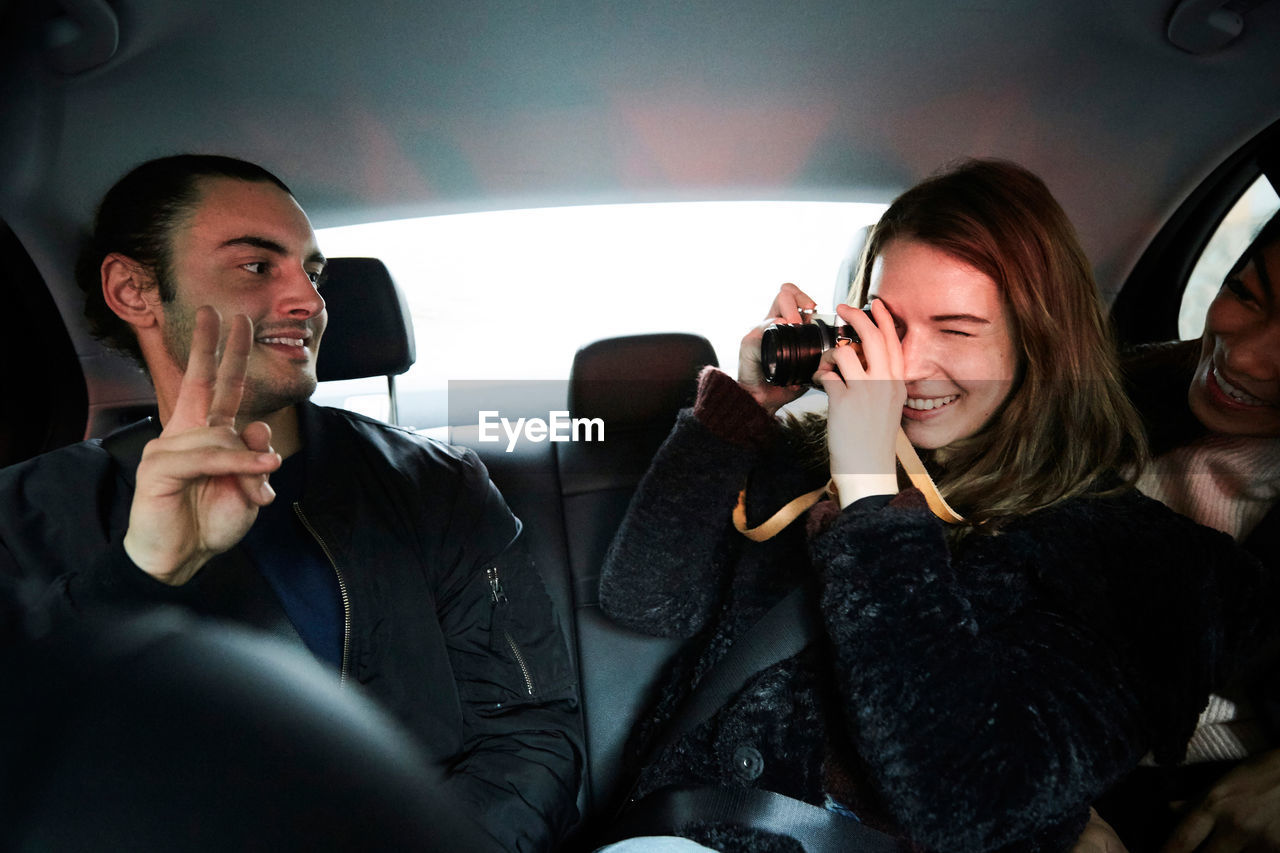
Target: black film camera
x=790, y=352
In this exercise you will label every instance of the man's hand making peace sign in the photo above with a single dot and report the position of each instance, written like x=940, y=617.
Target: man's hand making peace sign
x=200, y=483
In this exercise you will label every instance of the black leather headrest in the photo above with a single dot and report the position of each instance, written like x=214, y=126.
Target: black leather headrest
x=638, y=380
x=370, y=331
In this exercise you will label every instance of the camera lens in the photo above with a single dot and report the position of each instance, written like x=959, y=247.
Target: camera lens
x=786, y=348
x=790, y=352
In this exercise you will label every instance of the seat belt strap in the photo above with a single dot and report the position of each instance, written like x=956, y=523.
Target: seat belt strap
x=671, y=810
x=783, y=632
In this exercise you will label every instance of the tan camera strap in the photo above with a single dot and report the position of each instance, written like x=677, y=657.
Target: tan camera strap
x=907, y=458
x=919, y=477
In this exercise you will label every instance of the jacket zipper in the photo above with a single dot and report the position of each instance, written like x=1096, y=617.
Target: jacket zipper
x=342, y=590
x=498, y=598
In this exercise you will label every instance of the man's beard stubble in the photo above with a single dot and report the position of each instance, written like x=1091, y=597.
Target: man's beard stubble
x=261, y=396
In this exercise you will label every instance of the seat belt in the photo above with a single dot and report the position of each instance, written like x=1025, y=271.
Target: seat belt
x=784, y=631
x=668, y=811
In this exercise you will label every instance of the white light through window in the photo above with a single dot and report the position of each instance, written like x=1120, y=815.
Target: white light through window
x=512, y=295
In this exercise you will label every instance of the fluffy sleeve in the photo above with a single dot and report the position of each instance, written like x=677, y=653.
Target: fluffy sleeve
x=666, y=565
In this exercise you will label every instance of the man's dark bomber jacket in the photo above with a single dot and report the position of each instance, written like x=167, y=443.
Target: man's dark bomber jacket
x=414, y=529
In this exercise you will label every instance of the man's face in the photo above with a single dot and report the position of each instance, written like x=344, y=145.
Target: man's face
x=249, y=249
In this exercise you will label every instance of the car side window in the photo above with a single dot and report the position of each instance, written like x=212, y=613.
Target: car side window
x=1232, y=236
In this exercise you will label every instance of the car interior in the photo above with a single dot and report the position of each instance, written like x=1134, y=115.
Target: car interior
x=1150, y=120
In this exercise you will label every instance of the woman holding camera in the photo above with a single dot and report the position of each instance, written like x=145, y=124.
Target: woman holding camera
x=973, y=684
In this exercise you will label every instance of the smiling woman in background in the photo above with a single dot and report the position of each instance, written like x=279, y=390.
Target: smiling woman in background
x=1212, y=411
x=973, y=685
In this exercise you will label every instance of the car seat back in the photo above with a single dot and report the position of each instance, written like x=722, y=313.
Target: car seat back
x=572, y=497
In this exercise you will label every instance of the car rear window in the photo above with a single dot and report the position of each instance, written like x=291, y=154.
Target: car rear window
x=511, y=295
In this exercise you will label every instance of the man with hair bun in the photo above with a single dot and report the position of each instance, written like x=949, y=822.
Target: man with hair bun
x=390, y=556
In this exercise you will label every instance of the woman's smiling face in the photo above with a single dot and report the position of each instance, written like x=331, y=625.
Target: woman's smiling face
x=1236, y=388
x=959, y=350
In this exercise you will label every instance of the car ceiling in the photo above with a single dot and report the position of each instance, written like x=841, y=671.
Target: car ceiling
x=377, y=110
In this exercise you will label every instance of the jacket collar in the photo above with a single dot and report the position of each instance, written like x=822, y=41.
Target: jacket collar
x=125, y=446
x=320, y=446
x=326, y=455
x=126, y=443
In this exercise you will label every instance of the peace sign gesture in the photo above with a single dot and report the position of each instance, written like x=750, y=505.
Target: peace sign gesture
x=200, y=483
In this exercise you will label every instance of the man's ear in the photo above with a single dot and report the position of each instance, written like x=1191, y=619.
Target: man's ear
x=130, y=290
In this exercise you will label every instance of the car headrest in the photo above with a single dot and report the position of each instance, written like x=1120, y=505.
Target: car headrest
x=370, y=331
x=638, y=380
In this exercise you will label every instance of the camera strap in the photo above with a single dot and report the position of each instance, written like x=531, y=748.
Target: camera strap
x=919, y=477
x=793, y=509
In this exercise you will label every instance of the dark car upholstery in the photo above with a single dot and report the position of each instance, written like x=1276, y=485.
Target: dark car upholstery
x=572, y=496
x=370, y=329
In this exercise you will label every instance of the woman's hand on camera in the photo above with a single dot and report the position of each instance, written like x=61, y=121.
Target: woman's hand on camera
x=786, y=308
x=866, y=393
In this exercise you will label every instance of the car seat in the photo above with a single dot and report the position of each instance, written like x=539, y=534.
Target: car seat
x=370, y=330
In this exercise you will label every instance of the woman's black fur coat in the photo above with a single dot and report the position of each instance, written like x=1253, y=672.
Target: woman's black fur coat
x=969, y=701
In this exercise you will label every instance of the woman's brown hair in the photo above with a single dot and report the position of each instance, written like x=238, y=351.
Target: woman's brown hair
x=1067, y=427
